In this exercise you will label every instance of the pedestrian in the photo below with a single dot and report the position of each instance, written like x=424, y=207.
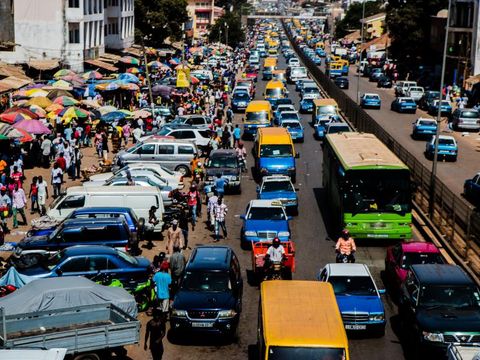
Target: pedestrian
x=177, y=266
x=174, y=237
x=155, y=331
x=163, y=280
x=19, y=204
x=5, y=209
x=61, y=161
x=42, y=192
x=46, y=148
x=229, y=115
x=192, y=201
x=212, y=201
x=57, y=179
x=237, y=135
x=183, y=225
x=220, y=183
x=105, y=146
x=33, y=195
x=226, y=137
x=17, y=176
x=220, y=211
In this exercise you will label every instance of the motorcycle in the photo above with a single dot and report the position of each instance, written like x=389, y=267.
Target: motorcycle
x=6, y=289
x=275, y=272
x=242, y=163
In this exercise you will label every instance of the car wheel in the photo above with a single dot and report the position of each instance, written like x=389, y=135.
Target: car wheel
x=182, y=169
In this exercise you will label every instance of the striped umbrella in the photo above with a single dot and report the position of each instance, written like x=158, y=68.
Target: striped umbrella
x=37, y=110
x=63, y=72
x=36, y=92
x=54, y=107
x=130, y=60
x=133, y=70
x=65, y=101
x=92, y=75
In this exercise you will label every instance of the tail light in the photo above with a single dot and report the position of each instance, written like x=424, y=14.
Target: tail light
x=170, y=194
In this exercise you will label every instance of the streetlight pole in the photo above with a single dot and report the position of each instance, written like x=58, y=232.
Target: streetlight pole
x=431, y=203
x=361, y=43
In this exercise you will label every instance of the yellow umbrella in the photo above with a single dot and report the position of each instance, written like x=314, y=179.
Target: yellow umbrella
x=62, y=84
x=41, y=101
x=54, y=107
x=182, y=66
x=36, y=92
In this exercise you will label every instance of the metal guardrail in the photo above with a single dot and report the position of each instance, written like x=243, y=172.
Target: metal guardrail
x=454, y=218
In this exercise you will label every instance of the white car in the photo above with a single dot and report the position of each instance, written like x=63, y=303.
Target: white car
x=293, y=62
x=173, y=177
x=415, y=92
x=199, y=136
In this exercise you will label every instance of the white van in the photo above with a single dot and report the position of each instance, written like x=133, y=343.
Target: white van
x=139, y=199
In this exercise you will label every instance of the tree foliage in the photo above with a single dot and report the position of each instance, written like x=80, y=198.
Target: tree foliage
x=351, y=21
x=409, y=25
x=156, y=20
x=235, y=31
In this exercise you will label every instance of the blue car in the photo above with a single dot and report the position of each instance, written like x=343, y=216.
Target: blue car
x=320, y=128
x=404, y=105
x=91, y=261
x=263, y=221
x=240, y=101
x=357, y=296
x=321, y=52
x=295, y=128
x=445, y=108
x=279, y=187
x=471, y=190
x=447, y=148
x=306, y=106
x=372, y=101
x=424, y=128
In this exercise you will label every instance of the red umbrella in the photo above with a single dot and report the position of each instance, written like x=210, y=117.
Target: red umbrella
x=12, y=118
x=22, y=110
x=26, y=136
x=194, y=80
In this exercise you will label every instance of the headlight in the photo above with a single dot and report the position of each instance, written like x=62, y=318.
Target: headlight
x=283, y=233
x=179, y=313
x=222, y=314
x=234, y=178
x=351, y=224
x=376, y=317
x=263, y=170
x=250, y=233
x=433, y=337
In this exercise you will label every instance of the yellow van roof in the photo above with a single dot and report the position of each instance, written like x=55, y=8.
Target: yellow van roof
x=301, y=314
x=273, y=84
x=325, y=102
x=274, y=135
x=258, y=105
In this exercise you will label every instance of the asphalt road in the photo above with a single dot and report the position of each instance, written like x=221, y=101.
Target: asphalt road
x=452, y=174
x=312, y=253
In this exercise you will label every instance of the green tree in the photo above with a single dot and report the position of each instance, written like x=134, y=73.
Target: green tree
x=235, y=31
x=351, y=21
x=409, y=24
x=156, y=20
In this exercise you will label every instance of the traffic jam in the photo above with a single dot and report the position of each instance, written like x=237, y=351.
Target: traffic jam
x=265, y=228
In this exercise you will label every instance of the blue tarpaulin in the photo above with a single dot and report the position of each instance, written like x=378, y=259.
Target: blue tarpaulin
x=13, y=277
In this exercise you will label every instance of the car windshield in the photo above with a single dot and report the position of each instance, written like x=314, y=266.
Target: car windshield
x=266, y=213
x=179, y=120
x=352, y=285
x=421, y=258
x=371, y=97
x=299, y=72
x=376, y=191
x=470, y=114
x=274, y=92
x=241, y=96
x=461, y=296
x=427, y=123
x=326, y=110
x=449, y=142
x=277, y=186
x=53, y=260
x=257, y=116
x=223, y=162
x=128, y=258
x=337, y=129
x=305, y=353
x=289, y=116
x=291, y=124
x=206, y=281
x=310, y=90
x=273, y=150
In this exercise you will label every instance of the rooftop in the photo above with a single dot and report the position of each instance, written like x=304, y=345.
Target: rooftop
x=441, y=274
x=348, y=269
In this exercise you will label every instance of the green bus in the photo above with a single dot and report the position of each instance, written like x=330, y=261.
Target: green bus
x=368, y=189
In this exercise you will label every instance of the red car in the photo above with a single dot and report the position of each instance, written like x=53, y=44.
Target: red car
x=401, y=256
x=251, y=73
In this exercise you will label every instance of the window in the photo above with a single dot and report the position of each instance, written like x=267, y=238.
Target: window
x=73, y=3
x=186, y=150
x=185, y=134
x=165, y=149
x=147, y=149
x=96, y=263
x=112, y=26
x=73, y=202
x=75, y=265
x=74, y=33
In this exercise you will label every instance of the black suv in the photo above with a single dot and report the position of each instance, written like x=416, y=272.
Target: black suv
x=210, y=295
x=440, y=305
x=224, y=162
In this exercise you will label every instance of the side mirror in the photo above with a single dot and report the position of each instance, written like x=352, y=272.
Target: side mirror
x=59, y=272
x=243, y=217
x=297, y=155
x=382, y=291
x=258, y=189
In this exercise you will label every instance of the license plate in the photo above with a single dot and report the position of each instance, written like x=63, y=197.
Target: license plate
x=377, y=236
x=379, y=225
x=202, y=324
x=355, y=327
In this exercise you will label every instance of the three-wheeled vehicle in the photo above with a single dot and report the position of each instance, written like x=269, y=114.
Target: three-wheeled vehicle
x=282, y=271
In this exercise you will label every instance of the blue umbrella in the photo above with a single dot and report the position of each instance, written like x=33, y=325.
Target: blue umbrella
x=128, y=77
x=113, y=116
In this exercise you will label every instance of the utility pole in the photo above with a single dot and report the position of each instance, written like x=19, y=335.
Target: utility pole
x=147, y=73
x=431, y=202
x=361, y=52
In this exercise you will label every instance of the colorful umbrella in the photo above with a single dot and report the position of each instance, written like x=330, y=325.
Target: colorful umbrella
x=41, y=101
x=35, y=92
x=129, y=78
x=107, y=109
x=156, y=65
x=62, y=72
x=20, y=102
x=194, y=80
x=173, y=62
x=54, y=113
x=3, y=137
x=130, y=86
x=141, y=114
x=55, y=93
x=114, y=116
x=12, y=118
x=62, y=84
x=73, y=112
x=54, y=107
x=126, y=112
x=65, y=101
x=150, y=51
x=37, y=110
x=92, y=75
x=10, y=132
x=26, y=137
x=133, y=70
x=111, y=86
x=32, y=126
x=162, y=90
x=182, y=67
x=129, y=60
x=91, y=103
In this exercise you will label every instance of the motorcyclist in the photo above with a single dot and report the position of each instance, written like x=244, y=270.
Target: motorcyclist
x=241, y=155
x=345, y=247
x=275, y=254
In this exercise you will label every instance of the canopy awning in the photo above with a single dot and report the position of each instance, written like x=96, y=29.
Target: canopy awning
x=7, y=70
x=101, y=64
x=134, y=51
x=44, y=65
x=108, y=57
x=13, y=83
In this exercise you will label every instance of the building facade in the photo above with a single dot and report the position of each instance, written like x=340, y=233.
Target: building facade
x=70, y=31
x=204, y=14
x=373, y=26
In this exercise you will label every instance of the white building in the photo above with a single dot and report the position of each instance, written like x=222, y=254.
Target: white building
x=68, y=31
